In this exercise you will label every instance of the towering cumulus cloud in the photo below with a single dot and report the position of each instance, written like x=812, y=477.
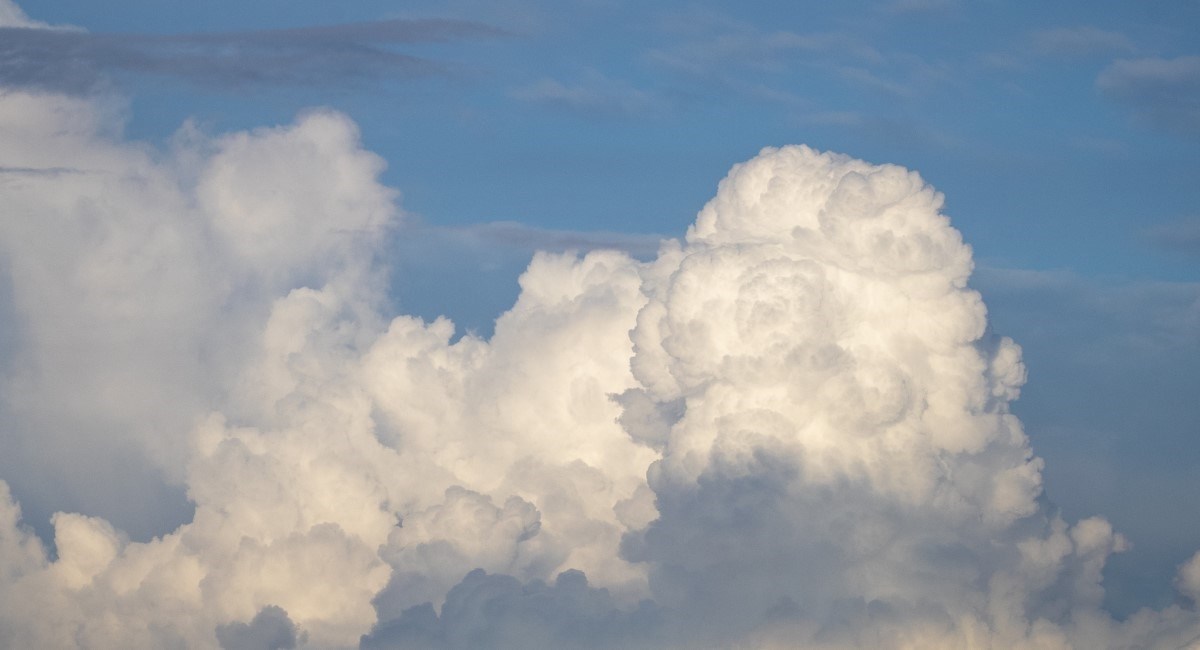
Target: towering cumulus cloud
x=791, y=429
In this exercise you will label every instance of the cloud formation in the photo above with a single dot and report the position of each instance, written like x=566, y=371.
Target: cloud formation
x=1163, y=92
x=1081, y=41
x=595, y=95
x=712, y=44
x=35, y=55
x=920, y=6
x=271, y=629
x=791, y=426
x=12, y=15
x=1180, y=236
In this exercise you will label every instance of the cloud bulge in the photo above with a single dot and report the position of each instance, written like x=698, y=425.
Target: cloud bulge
x=790, y=427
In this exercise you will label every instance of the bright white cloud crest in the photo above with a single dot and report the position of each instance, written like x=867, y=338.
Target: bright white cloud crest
x=789, y=429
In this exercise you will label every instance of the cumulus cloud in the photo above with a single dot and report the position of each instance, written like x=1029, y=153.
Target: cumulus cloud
x=1109, y=349
x=1189, y=578
x=132, y=299
x=498, y=611
x=791, y=426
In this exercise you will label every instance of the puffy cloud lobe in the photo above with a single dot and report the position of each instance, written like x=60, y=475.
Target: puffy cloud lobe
x=270, y=629
x=790, y=427
x=282, y=209
x=467, y=529
x=264, y=280
x=843, y=463
x=498, y=611
x=148, y=252
x=1189, y=578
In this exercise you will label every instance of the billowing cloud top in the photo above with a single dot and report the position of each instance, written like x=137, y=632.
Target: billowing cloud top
x=789, y=429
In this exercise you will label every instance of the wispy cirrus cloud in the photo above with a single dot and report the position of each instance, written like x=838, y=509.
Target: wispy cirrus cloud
x=1182, y=236
x=712, y=43
x=1080, y=41
x=920, y=6
x=1075, y=44
x=1162, y=92
x=594, y=95
x=746, y=58
x=32, y=55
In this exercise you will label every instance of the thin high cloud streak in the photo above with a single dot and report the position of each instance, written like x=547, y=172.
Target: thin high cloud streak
x=1164, y=92
x=1081, y=41
x=595, y=95
x=1182, y=236
x=743, y=59
x=74, y=60
x=789, y=427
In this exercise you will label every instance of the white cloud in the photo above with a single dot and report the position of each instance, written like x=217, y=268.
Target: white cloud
x=789, y=427
x=1189, y=578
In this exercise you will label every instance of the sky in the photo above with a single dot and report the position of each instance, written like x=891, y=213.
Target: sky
x=264, y=263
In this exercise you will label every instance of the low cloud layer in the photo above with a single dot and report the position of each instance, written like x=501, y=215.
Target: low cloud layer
x=790, y=427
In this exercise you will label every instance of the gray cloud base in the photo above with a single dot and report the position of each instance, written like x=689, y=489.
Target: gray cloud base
x=77, y=61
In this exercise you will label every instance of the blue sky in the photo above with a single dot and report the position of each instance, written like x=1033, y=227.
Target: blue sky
x=602, y=115
x=1065, y=136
